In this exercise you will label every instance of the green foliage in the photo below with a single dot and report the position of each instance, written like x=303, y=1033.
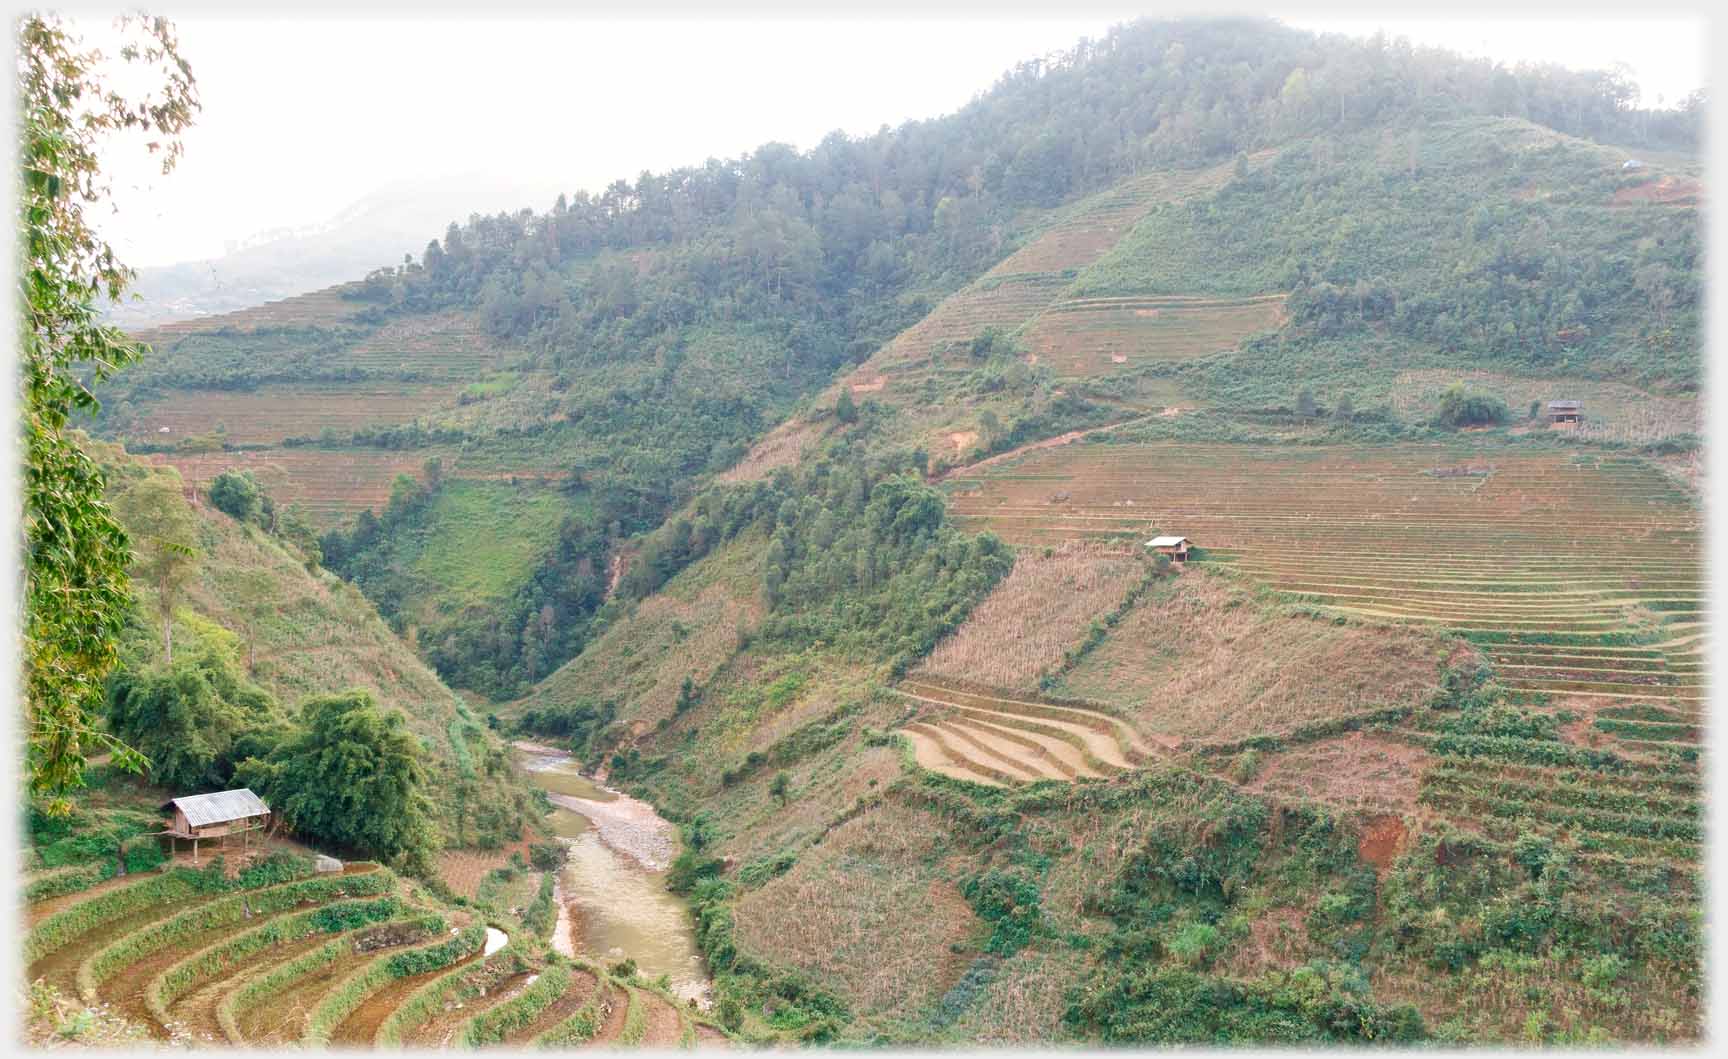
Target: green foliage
x=760, y=871
x=1009, y=900
x=542, y=916
x=196, y=717
x=446, y=990
x=351, y=777
x=1460, y=409
x=266, y=900
x=1312, y=1004
x=341, y=1001
x=75, y=552
x=238, y=495
x=465, y=559
x=1440, y=242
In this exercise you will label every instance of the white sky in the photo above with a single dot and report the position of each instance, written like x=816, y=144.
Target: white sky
x=576, y=104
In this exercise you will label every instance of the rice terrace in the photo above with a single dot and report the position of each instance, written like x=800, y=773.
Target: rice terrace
x=1201, y=544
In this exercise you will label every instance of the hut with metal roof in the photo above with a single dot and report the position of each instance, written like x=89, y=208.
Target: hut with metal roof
x=1175, y=547
x=218, y=815
x=1565, y=411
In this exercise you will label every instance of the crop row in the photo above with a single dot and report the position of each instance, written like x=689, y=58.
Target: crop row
x=278, y=978
x=175, y=930
x=341, y=1001
x=207, y=964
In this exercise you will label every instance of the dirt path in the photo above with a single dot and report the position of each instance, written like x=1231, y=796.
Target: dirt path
x=1047, y=443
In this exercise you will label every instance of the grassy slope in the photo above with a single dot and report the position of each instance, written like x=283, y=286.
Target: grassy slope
x=309, y=633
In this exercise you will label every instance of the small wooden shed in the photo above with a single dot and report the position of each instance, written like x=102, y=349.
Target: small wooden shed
x=218, y=815
x=1565, y=411
x=1175, y=547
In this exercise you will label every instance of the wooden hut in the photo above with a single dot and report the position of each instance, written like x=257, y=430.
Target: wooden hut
x=1565, y=411
x=218, y=815
x=1175, y=547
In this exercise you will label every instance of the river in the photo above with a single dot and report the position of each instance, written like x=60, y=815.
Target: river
x=612, y=896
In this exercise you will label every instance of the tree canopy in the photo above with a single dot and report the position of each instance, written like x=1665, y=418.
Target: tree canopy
x=75, y=557
x=353, y=777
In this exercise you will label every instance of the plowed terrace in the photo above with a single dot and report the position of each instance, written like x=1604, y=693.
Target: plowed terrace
x=1580, y=574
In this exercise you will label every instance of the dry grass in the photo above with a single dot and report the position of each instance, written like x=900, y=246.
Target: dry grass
x=1199, y=660
x=690, y=628
x=867, y=912
x=1036, y=614
x=463, y=869
x=1355, y=771
x=783, y=447
x=1023, y=1004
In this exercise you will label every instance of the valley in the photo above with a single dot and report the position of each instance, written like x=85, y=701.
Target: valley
x=724, y=611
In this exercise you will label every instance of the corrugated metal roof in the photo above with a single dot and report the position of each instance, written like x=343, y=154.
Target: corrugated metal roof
x=1563, y=406
x=1165, y=542
x=221, y=807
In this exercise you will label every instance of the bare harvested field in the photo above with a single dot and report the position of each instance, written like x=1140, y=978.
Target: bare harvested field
x=1566, y=568
x=1094, y=336
x=1039, y=612
x=975, y=732
x=1356, y=771
x=1200, y=661
x=322, y=308
x=269, y=414
x=1612, y=411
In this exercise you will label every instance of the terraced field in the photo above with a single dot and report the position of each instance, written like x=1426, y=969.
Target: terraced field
x=269, y=414
x=973, y=733
x=1094, y=336
x=348, y=959
x=1580, y=575
x=320, y=308
x=332, y=485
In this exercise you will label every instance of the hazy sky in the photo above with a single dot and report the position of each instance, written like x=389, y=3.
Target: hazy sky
x=301, y=117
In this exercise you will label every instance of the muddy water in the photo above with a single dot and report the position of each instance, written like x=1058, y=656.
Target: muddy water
x=612, y=893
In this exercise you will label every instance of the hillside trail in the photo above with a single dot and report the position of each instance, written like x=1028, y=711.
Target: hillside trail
x=1047, y=443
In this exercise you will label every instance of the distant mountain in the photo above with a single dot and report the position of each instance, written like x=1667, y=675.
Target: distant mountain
x=376, y=230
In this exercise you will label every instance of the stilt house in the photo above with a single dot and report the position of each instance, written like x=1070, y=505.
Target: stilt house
x=1175, y=547
x=215, y=816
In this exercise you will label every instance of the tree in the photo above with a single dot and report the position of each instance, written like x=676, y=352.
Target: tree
x=780, y=787
x=194, y=718
x=352, y=777
x=164, y=535
x=845, y=409
x=1305, y=402
x=75, y=586
x=236, y=494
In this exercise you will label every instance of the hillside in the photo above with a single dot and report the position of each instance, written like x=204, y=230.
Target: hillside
x=303, y=632
x=1385, y=741
x=805, y=496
